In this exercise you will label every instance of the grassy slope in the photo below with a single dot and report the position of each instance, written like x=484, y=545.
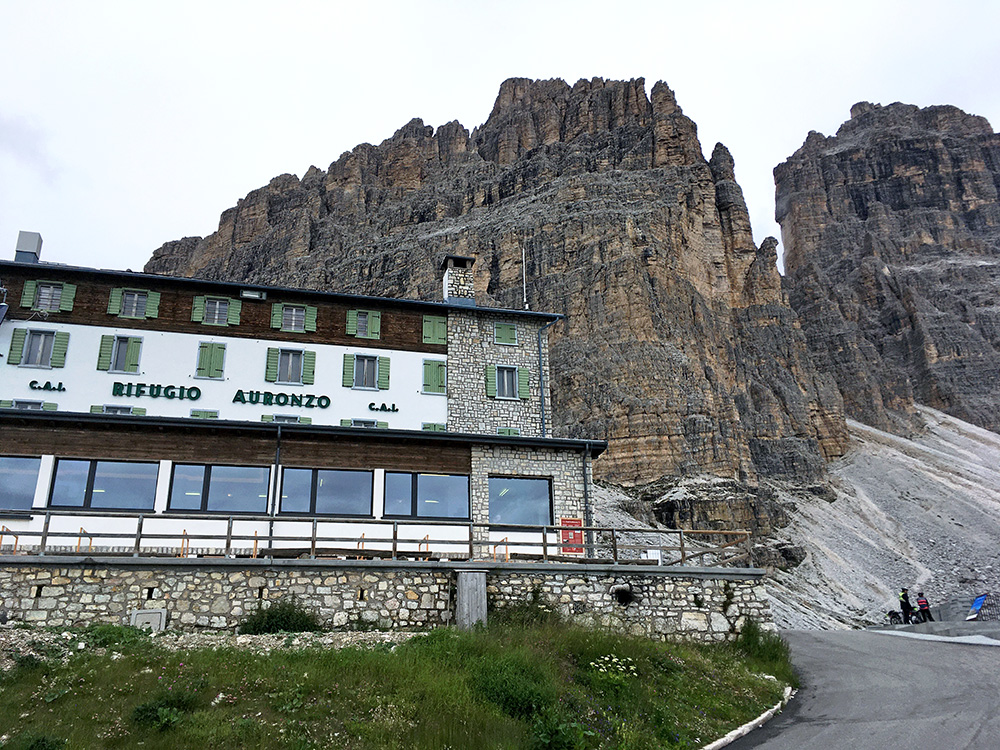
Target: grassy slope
x=525, y=685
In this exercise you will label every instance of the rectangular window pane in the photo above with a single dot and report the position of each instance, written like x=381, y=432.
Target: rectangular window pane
x=185, y=491
x=17, y=482
x=119, y=355
x=296, y=489
x=344, y=493
x=290, y=367
x=398, y=494
x=32, y=405
x=134, y=304
x=365, y=372
x=238, y=489
x=443, y=496
x=38, y=351
x=118, y=484
x=507, y=382
x=293, y=318
x=216, y=311
x=49, y=296
x=117, y=409
x=520, y=501
x=70, y=484
x=362, y=324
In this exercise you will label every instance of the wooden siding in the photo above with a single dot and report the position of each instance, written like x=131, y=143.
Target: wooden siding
x=402, y=326
x=209, y=444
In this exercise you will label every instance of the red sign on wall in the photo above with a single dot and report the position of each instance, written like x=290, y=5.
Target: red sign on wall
x=574, y=539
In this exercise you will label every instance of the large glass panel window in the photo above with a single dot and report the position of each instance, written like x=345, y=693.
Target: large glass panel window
x=133, y=304
x=365, y=371
x=115, y=485
x=330, y=492
x=426, y=495
x=520, y=500
x=18, y=477
x=293, y=318
x=48, y=297
x=220, y=489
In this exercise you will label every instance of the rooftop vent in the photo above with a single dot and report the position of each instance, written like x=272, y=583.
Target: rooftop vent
x=29, y=247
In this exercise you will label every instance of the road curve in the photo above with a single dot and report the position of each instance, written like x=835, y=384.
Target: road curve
x=866, y=691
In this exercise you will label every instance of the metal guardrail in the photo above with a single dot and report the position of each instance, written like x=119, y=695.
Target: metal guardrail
x=396, y=539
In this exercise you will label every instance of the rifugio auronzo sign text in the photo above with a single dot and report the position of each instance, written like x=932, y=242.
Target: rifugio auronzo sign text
x=156, y=390
x=193, y=393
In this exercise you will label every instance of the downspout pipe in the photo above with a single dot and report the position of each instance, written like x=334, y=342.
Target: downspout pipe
x=588, y=513
x=541, y=369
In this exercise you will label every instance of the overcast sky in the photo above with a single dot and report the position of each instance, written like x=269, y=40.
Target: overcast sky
x=127, y=124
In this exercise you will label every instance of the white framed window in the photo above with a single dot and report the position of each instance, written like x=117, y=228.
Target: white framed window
x=290, y=366
x=293, y=318
x=29, y=405
x=506, y=382
x=362, y=324
x=365, y=372
x=48, y=296
x=133, y=304
x=286, y=418
x=216, y=311
x=38, y=349
x=364, y=423
x=125, y=354
x=117, y=410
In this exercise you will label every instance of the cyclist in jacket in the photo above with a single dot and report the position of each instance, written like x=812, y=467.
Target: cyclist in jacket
x=924, y=607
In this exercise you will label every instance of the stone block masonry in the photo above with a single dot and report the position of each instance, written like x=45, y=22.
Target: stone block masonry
x=698, y=603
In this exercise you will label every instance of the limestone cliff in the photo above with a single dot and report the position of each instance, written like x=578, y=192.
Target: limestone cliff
x=891, y=232
x=678, y=347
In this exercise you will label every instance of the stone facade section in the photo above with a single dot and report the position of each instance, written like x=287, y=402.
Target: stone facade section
x=701, y=605
x=565, y=468
x=471, y=348
x=655, y=606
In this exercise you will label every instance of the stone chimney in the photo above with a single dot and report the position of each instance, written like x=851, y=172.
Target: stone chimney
x=458, y=289
x=29, y=247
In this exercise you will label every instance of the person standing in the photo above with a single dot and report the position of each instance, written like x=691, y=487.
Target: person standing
x=904, y=604
x=924, y=607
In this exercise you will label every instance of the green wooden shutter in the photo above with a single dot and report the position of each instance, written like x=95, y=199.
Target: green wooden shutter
x=132, y=354
x=97, y=409
x=16, y=346
x=6, y=404
x=66, y=298
x=204, y=414
x=352, y=322
x=218, y=360
x=204, y=360
x=49, y=406
x=505, y=333
x=198, y=309
x=491, y=381
x=348, y=372
x=271, y=370
x=266, y=417
x=345, y=423
x=383, y=373
x=152, y=304
x=382, y=425
x=305, y=420
x=308, y=367
x=434, y=427
x=509, y=431
x=139, y=411
x=434, y=377
x=277, y=313
x=435, y=329
x=310, y=318
x=115, y=301
x=28, y=293
x=59, y=347
x=104, y=353
x=374, y=325
x=522, y=382
x=233, y=312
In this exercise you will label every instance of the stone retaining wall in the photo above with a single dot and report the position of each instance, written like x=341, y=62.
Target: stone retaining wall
x=703, y=604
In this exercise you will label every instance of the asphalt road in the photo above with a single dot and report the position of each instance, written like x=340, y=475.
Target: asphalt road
x=865, y=691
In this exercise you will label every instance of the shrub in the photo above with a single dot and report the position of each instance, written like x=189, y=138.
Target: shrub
x=165, y=711
x=38, y=742
x=533, y=611
x=284, y=616
x=768, y=650
x=115, y=636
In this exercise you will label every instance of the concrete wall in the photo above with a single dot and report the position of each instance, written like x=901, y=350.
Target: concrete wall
x=700, y=603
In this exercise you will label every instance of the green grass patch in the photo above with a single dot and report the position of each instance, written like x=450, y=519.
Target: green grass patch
x=533, y=686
